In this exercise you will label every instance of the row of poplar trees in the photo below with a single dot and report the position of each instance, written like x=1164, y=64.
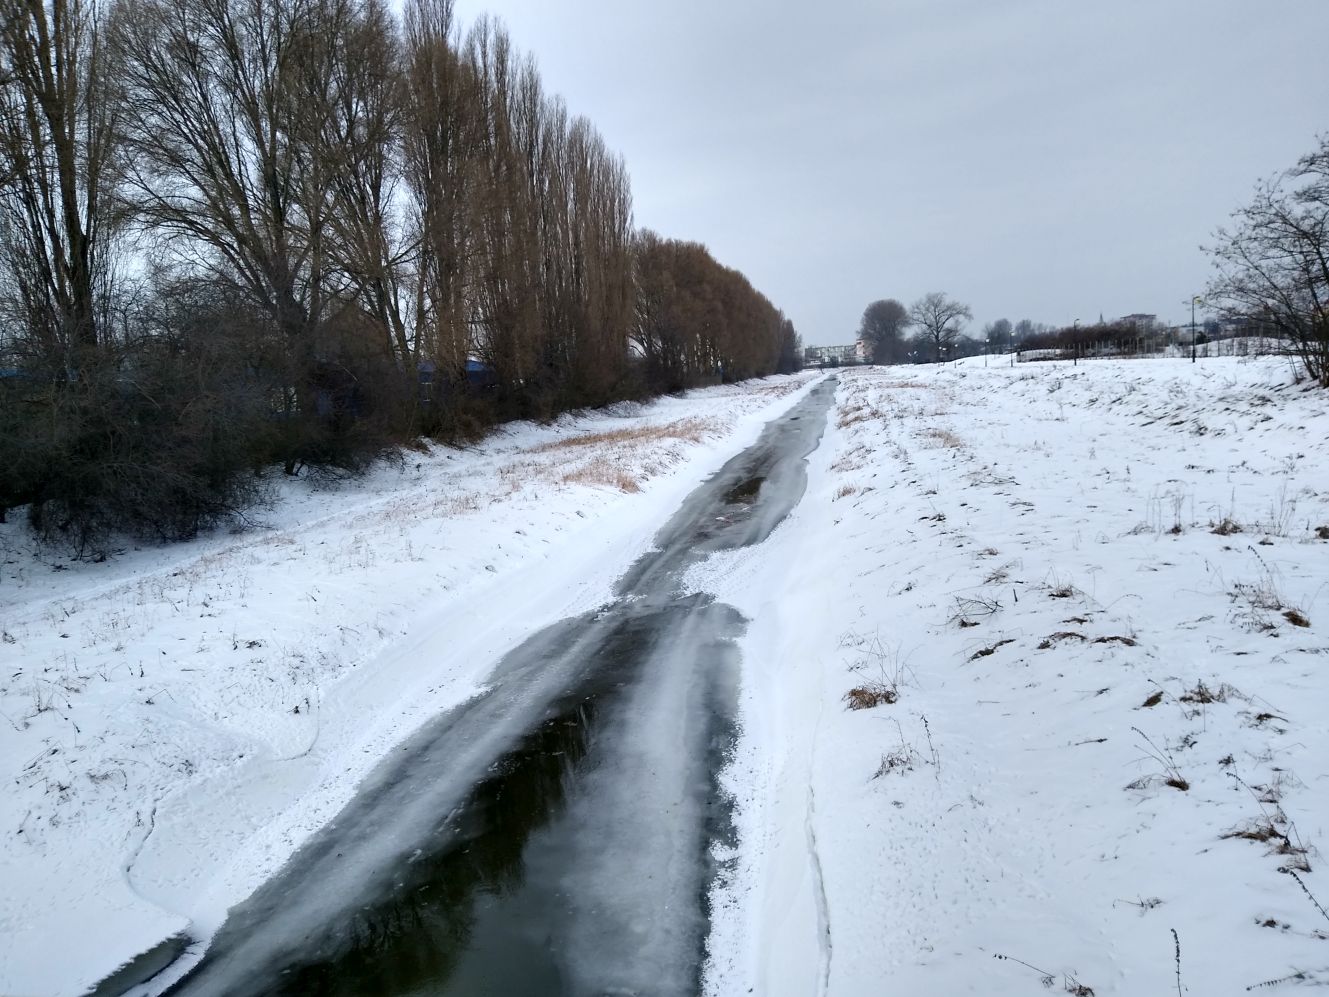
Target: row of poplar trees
x=242, y=232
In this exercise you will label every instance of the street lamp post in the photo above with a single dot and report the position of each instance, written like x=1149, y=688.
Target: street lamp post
x=985, y=352
x=1194, y=299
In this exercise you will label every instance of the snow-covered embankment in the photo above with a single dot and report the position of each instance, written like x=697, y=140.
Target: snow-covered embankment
x=1097, y=595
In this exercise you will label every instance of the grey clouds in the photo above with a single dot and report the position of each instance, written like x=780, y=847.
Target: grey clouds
x=1035, y=158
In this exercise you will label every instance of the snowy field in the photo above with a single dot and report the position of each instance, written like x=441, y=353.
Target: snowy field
x=1080, y=608
x=175, y=721
x=1089, y=603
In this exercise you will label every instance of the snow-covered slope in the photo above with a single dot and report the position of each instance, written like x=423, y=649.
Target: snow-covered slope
x=1098, y=597
x=1084, y=588
x=177, y=720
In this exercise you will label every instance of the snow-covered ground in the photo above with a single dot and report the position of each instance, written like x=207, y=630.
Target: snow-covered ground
x=1097, y=595
x=175, y=721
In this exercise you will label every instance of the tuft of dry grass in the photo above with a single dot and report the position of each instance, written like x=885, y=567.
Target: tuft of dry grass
x=902, y=759
x=689, y=430
x=1203, y=695
x=944, y=438
x=1058, y=637
x=1297, y=618
x=984, y=652
x=865, y=697
x=844, y=491
x=1116, y=639
x=851, y=415
x=602, y=471
x=1266, y=831
x=1226, y=528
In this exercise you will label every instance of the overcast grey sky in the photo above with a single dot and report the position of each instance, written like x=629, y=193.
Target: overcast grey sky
x=1048, y=159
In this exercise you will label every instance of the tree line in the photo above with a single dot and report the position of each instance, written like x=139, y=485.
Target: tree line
x=235, y=233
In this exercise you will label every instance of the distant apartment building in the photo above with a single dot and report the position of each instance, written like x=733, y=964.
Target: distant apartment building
x=1142, y=321
x=816, y=355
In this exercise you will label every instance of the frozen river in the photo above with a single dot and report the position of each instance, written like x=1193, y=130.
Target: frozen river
x=557, y=834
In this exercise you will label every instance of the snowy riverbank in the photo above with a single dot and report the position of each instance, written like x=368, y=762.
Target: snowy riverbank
x=1081, y=583
x=1086, y=601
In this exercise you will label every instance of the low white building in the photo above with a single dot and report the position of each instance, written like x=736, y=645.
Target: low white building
x=816, y=355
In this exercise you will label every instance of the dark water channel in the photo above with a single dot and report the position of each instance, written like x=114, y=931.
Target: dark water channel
x=555, y=834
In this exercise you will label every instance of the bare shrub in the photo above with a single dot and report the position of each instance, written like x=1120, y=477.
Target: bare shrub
x=968, y=608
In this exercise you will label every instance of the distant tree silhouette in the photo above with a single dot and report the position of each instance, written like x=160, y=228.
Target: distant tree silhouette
x=882, y=328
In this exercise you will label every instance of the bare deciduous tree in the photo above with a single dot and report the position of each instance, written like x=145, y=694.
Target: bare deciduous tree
x=1273, y=262
x=940, y=321
x=57, y=141
x=442, y=126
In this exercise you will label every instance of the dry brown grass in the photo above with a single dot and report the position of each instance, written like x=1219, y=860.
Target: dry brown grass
x=984, y=652
x=853, y=460
x=865, y=697
x=602, y=471
x=1266, y=831
x=944, y=438
x=690, y=430
x=1203, y=695
x=851, y=415
x=1117, y=639
x=1052, y=639
x=844, y=491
